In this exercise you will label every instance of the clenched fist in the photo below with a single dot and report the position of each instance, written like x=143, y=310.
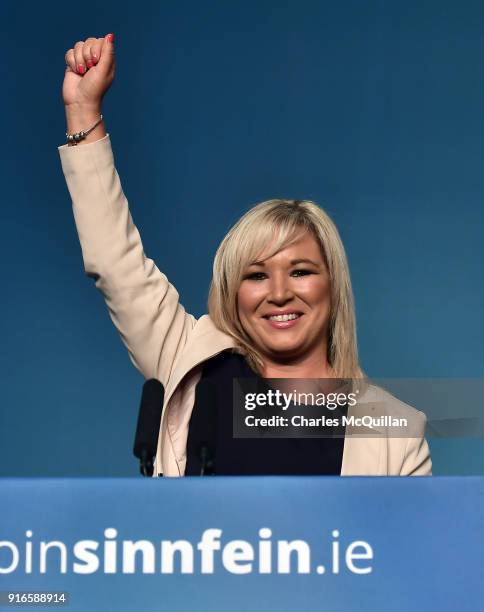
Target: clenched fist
x=89, y=71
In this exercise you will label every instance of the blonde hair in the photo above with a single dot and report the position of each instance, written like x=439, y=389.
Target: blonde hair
x=281, y=222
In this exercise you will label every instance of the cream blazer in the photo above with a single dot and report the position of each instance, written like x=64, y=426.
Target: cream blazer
x=164, y=341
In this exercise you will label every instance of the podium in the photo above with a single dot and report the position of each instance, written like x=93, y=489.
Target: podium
x=245, y=543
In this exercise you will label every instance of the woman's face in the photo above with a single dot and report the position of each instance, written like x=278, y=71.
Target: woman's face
x=284, y=302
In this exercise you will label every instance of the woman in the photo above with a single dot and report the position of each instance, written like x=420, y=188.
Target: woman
x=280, y=306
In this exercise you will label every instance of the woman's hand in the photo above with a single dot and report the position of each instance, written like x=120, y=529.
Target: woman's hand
x=90, y=69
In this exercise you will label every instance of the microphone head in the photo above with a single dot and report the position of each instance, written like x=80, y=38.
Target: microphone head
x=149, y=417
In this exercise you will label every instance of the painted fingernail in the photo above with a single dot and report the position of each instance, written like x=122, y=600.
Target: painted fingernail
x=95, y=58
x=81, y=69
x=111, y=38
x=89, y=63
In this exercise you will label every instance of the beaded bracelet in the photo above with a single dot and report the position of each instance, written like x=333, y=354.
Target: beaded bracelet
x=73, y=139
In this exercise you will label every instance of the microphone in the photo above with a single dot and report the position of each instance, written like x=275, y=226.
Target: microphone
x=202, y=432
x=147, y=429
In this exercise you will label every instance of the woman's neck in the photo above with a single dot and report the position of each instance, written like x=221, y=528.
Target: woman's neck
x=313, y=366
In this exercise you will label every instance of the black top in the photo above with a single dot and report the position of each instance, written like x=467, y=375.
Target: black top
x=212, y=419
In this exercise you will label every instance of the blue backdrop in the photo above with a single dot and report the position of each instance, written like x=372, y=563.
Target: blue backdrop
x=373, y=109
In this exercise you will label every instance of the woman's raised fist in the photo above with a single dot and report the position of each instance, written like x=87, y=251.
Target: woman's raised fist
x=89, y=72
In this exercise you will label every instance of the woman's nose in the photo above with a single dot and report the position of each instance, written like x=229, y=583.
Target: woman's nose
x=280, y=291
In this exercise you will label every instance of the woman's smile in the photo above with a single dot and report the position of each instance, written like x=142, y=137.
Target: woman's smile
x=283, y=320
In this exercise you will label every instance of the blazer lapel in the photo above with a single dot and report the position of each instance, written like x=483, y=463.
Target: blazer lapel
x=363, y=447
x=362, y=456
x=204, y=342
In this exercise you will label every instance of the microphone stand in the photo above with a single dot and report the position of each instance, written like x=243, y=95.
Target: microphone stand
x=207, y=461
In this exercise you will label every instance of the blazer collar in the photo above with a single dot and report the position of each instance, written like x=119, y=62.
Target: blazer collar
x=204, y=342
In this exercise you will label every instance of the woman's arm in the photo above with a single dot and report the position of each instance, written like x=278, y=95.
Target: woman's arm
x=142, y=304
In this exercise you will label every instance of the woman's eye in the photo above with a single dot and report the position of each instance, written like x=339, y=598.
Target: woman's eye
x=256, y=276
x=301, y=272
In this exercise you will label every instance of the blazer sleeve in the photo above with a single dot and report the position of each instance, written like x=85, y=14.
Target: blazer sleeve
x=143, y=305
x=417, y=461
